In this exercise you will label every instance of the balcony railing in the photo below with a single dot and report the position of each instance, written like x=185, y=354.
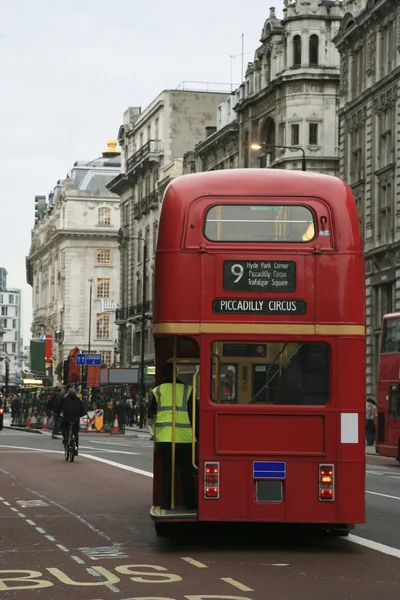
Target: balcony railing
x=136, y=309
x=121, y=314
x=143, y=206
x=150, y=150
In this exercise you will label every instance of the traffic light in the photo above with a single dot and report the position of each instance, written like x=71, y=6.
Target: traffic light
x=40, y=207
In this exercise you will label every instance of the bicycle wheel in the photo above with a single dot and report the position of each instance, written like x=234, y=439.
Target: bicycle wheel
x=66, y=451
x=71, y=449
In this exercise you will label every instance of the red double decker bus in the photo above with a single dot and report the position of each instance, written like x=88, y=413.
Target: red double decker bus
x=387, y=431
x=260, y=306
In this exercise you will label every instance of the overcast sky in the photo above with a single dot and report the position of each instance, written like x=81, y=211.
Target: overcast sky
x=68, y=71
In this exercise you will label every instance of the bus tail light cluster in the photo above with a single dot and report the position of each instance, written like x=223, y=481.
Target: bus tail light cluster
x=211, y=481
x=326, y=483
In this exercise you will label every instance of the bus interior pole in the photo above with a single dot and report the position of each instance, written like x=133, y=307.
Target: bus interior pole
x=142, y=382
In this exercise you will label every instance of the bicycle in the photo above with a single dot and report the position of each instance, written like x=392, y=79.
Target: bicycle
x=70, y=447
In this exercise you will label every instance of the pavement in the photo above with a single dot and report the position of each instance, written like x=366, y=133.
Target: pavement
x=82, y=531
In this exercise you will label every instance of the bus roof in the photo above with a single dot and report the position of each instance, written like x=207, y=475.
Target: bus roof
x=262, y=183
x=393, y=315
x=252, y=182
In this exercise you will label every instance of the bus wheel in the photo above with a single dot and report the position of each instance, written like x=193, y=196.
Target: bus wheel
x=162, y=529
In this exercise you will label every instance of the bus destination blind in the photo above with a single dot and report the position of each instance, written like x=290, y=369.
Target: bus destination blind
x=259, y=276
x=245, y=306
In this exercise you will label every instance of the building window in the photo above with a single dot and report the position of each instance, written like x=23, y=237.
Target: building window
x=103, y=325
x=103, y=256
x=297, y=51
x=155, y=234
x=313, y=49
x=103, y=288
x=11, y=299
x=356, y=156
x=156, y=129
x=385, y=227
x=148, y=132
x=141, y=139
x=4, y=310
x=107, y=357
x=14, y=323
x=246, y=149
x=313, y=134
x=139, y=248
x=104, y=216
x=385, y=125
x=13, y=348
x=268, y=68
x=1, y=298
x=147, y=239
x=295, y=137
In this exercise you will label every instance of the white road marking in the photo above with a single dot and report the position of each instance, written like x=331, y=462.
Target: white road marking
x=6, y=503
x=40, y=530
x=194, y=562
x=109, y=451
x=22, y=515
x=237, y=584
x=356, y=539
x=109, y=443
x=31, y=522
x=383, y=495
x=63, y=548
x=50, y=538
x=119, y=465
x=1, y=498
x=78, y=560
x=14, y=509
x=31, y=503
x=103, y=552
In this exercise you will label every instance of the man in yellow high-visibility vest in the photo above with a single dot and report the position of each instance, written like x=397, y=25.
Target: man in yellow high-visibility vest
x=161, y=407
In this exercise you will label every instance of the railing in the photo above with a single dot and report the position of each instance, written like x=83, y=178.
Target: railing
x=121, y=314
x=150, y=147
x=136, y=309
x=143, y=206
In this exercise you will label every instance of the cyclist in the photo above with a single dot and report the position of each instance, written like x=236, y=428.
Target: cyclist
x=72, y=410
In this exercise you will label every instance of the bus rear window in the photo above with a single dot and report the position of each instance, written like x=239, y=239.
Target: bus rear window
x=279, y=373
x=391, y=336
x=259, y=223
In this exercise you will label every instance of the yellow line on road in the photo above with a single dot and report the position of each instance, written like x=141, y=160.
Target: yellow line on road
x=194, y=562
x=237, y=584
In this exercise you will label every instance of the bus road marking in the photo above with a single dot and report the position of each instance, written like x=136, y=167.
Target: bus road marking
x=237, y=584
x=194, y=562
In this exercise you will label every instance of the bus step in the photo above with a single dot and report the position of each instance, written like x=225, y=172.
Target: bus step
x=180, y=513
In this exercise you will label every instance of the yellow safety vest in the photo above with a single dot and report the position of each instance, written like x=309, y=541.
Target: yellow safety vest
x=183, y=429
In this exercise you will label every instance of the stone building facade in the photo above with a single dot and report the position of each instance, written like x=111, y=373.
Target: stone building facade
x=291, y=90
x=369, y=118
x=74, y=248
x=153, y=143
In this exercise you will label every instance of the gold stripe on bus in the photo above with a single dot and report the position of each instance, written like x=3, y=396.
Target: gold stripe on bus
x=254, y=328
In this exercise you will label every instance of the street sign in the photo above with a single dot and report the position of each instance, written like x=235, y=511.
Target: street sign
x=88, y=360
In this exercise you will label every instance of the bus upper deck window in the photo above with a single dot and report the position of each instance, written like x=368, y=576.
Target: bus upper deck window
x=260, y=223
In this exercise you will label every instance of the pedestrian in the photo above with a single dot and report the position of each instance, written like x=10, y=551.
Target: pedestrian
x=370, y=421
x=72, y=409
x=14, y=409
x=52, y=408
x=161, y=406
x=150, y=415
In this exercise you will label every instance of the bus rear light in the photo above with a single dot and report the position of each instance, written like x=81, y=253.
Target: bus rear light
x=326, y=483
x=211, y=480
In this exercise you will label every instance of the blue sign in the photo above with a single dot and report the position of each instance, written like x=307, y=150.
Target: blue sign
x=269, y=470
x=80, y=360
x=89, y=360
x=93, y=360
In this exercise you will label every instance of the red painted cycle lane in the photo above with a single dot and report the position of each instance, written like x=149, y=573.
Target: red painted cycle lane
x=83, y=531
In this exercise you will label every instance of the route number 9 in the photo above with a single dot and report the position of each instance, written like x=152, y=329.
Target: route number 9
x=238, y=271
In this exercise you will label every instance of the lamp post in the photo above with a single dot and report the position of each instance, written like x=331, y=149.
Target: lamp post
x=7, y=365
x=256, y=146
x=90, y=312
x=122, y=238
